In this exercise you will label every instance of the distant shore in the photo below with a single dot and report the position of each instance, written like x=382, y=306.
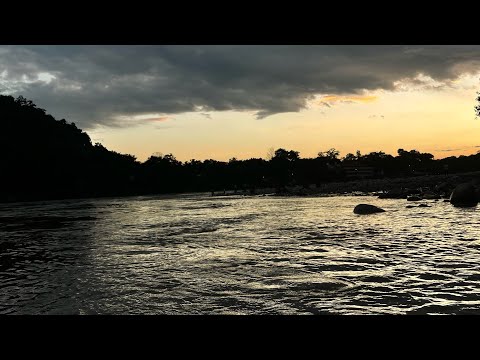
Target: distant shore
x=439, y=185
x=432, y=185
x=442, y=185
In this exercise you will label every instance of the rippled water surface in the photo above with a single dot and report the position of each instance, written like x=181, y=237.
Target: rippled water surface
x=196, y=254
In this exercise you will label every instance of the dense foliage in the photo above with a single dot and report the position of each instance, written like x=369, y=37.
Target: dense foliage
x=45, y=158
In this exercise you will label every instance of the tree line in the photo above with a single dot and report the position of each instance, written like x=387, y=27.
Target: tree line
x=45, y=158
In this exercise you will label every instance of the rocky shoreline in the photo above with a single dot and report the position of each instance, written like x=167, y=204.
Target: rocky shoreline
x=423, y=187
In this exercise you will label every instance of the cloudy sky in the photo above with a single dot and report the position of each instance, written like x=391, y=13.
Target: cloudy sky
x=239, y=101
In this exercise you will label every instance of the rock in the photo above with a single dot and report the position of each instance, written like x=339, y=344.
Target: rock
x=431, y=196
x=414, y=198
x=464, y=195
x=446, y=200
x=365, y=209
x=421, y=205
x=444, y=186
x=392, y=194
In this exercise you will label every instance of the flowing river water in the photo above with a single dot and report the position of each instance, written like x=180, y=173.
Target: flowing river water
x=197, y=254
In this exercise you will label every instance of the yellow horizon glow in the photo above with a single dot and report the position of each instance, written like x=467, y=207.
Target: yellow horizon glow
x=426, y=118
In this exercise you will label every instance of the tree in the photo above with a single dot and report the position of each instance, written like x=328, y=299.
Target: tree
x=349, y=157
x=286, y=155
x=331, y=154
x=414, y=155
x=477, y=107
x=282, y=166
x=376, y=156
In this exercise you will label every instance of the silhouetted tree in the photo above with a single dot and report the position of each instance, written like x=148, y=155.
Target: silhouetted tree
x=282, y=167
x=349, y=157
x=477, y=107
x=331, y=154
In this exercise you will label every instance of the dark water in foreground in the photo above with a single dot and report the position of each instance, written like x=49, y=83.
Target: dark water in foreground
x=226, y=255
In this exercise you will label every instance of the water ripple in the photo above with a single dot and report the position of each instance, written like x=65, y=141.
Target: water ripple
x=197, y=254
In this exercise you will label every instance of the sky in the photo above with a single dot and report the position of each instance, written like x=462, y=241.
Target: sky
x=224, y=101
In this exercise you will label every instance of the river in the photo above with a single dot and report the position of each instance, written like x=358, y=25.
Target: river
x=197, y=254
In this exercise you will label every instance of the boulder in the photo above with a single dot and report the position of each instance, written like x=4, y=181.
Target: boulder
x=365, y=209
x=392, y=194
x=414, y=198
x=464, y=195
x=444, y=187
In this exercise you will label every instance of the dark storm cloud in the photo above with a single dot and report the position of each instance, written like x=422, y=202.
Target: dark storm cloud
x=96, y=84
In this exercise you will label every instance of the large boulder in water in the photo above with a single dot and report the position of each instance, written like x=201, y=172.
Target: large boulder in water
x=464, y=195
x=365, y=209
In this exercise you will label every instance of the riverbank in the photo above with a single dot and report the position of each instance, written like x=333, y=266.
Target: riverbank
x=430, y=185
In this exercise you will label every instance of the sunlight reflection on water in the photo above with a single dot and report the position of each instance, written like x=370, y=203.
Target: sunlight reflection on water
x=242, y=255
